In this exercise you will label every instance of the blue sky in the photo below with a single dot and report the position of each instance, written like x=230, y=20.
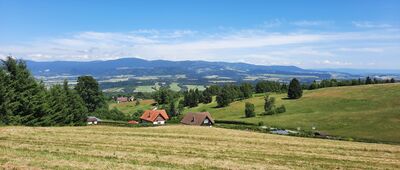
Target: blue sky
x=309, y=34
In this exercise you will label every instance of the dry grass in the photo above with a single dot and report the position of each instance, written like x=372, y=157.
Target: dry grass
x=182, y=147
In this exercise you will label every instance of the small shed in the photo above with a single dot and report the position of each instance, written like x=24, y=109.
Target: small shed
x=91, y=120
x=198, y=118
x=154, y=117
x=122, y=99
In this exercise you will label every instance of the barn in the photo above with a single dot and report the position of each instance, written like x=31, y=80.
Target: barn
x=154, y=116
x=198, y=118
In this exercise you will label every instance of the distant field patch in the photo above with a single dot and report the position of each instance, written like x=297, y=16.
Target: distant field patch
x=114, y=90
x=175, y=87
x=199, y=87
x=147, y=89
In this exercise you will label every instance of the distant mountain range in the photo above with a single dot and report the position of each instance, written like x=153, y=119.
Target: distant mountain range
x=141, y=67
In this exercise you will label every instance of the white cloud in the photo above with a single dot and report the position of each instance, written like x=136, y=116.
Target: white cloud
x=307, y=23
x=366, y=49
x=335, y=63
x=368, y=24
x=256, y=46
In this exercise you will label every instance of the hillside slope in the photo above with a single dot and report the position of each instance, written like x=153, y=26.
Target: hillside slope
x=370, y=112
x=182, y=147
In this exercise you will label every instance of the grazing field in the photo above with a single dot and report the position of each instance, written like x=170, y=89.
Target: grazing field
x=199, y=87
x=182, y=147
x=175, y=87
x=131, y=107
x=114, y=90
x=147, y=89
x=369, y=112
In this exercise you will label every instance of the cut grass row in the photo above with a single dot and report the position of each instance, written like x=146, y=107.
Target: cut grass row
x=182, y=147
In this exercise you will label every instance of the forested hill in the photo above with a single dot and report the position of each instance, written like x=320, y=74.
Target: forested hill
x=142, y=67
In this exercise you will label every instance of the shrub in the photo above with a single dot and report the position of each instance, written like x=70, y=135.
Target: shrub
x=249, y=110
x=281, y=109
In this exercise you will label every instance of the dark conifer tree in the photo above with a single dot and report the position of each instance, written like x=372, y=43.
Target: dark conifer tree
x=295, y=90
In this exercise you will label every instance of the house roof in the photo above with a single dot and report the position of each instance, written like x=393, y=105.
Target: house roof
x=196, y=118
x=122, y=99
x=151, y=115
x=92, y=119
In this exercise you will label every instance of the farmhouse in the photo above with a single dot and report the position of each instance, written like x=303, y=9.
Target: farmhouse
x=154, y=117
x=199, y=119
x=91, y=120
x=125, y=99
x=122, y=99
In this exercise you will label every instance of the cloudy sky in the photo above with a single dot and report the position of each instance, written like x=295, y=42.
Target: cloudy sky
x=308, y=34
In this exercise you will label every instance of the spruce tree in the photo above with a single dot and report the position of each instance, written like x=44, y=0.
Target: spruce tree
x=26, y=97
x=295, y=90
x=77, y=110
x=5, y=93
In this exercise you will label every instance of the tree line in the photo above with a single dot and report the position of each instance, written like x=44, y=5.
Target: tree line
x=25, y=101
x=353, y=82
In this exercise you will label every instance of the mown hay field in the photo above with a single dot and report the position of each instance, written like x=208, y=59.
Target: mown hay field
x=182, y=147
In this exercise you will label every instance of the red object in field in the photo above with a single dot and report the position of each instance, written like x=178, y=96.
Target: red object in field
x=133, y=122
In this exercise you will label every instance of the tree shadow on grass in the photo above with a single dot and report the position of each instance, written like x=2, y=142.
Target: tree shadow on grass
x=287, y=98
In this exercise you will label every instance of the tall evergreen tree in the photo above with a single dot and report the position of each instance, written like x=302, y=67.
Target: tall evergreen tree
x=88, y=88
x=295, y=90
x=77, y=109
x=27, y=97
x=392, y=80
x=5, y=93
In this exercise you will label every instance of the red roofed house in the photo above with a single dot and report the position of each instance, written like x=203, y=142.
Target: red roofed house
x=154, y=116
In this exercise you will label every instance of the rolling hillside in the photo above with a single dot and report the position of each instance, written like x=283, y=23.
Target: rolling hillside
x=370, y=112
x=182, y=147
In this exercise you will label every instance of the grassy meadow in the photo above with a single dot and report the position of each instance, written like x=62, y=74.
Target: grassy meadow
x=369, y=112
x=131, y=107
x=182, y=147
